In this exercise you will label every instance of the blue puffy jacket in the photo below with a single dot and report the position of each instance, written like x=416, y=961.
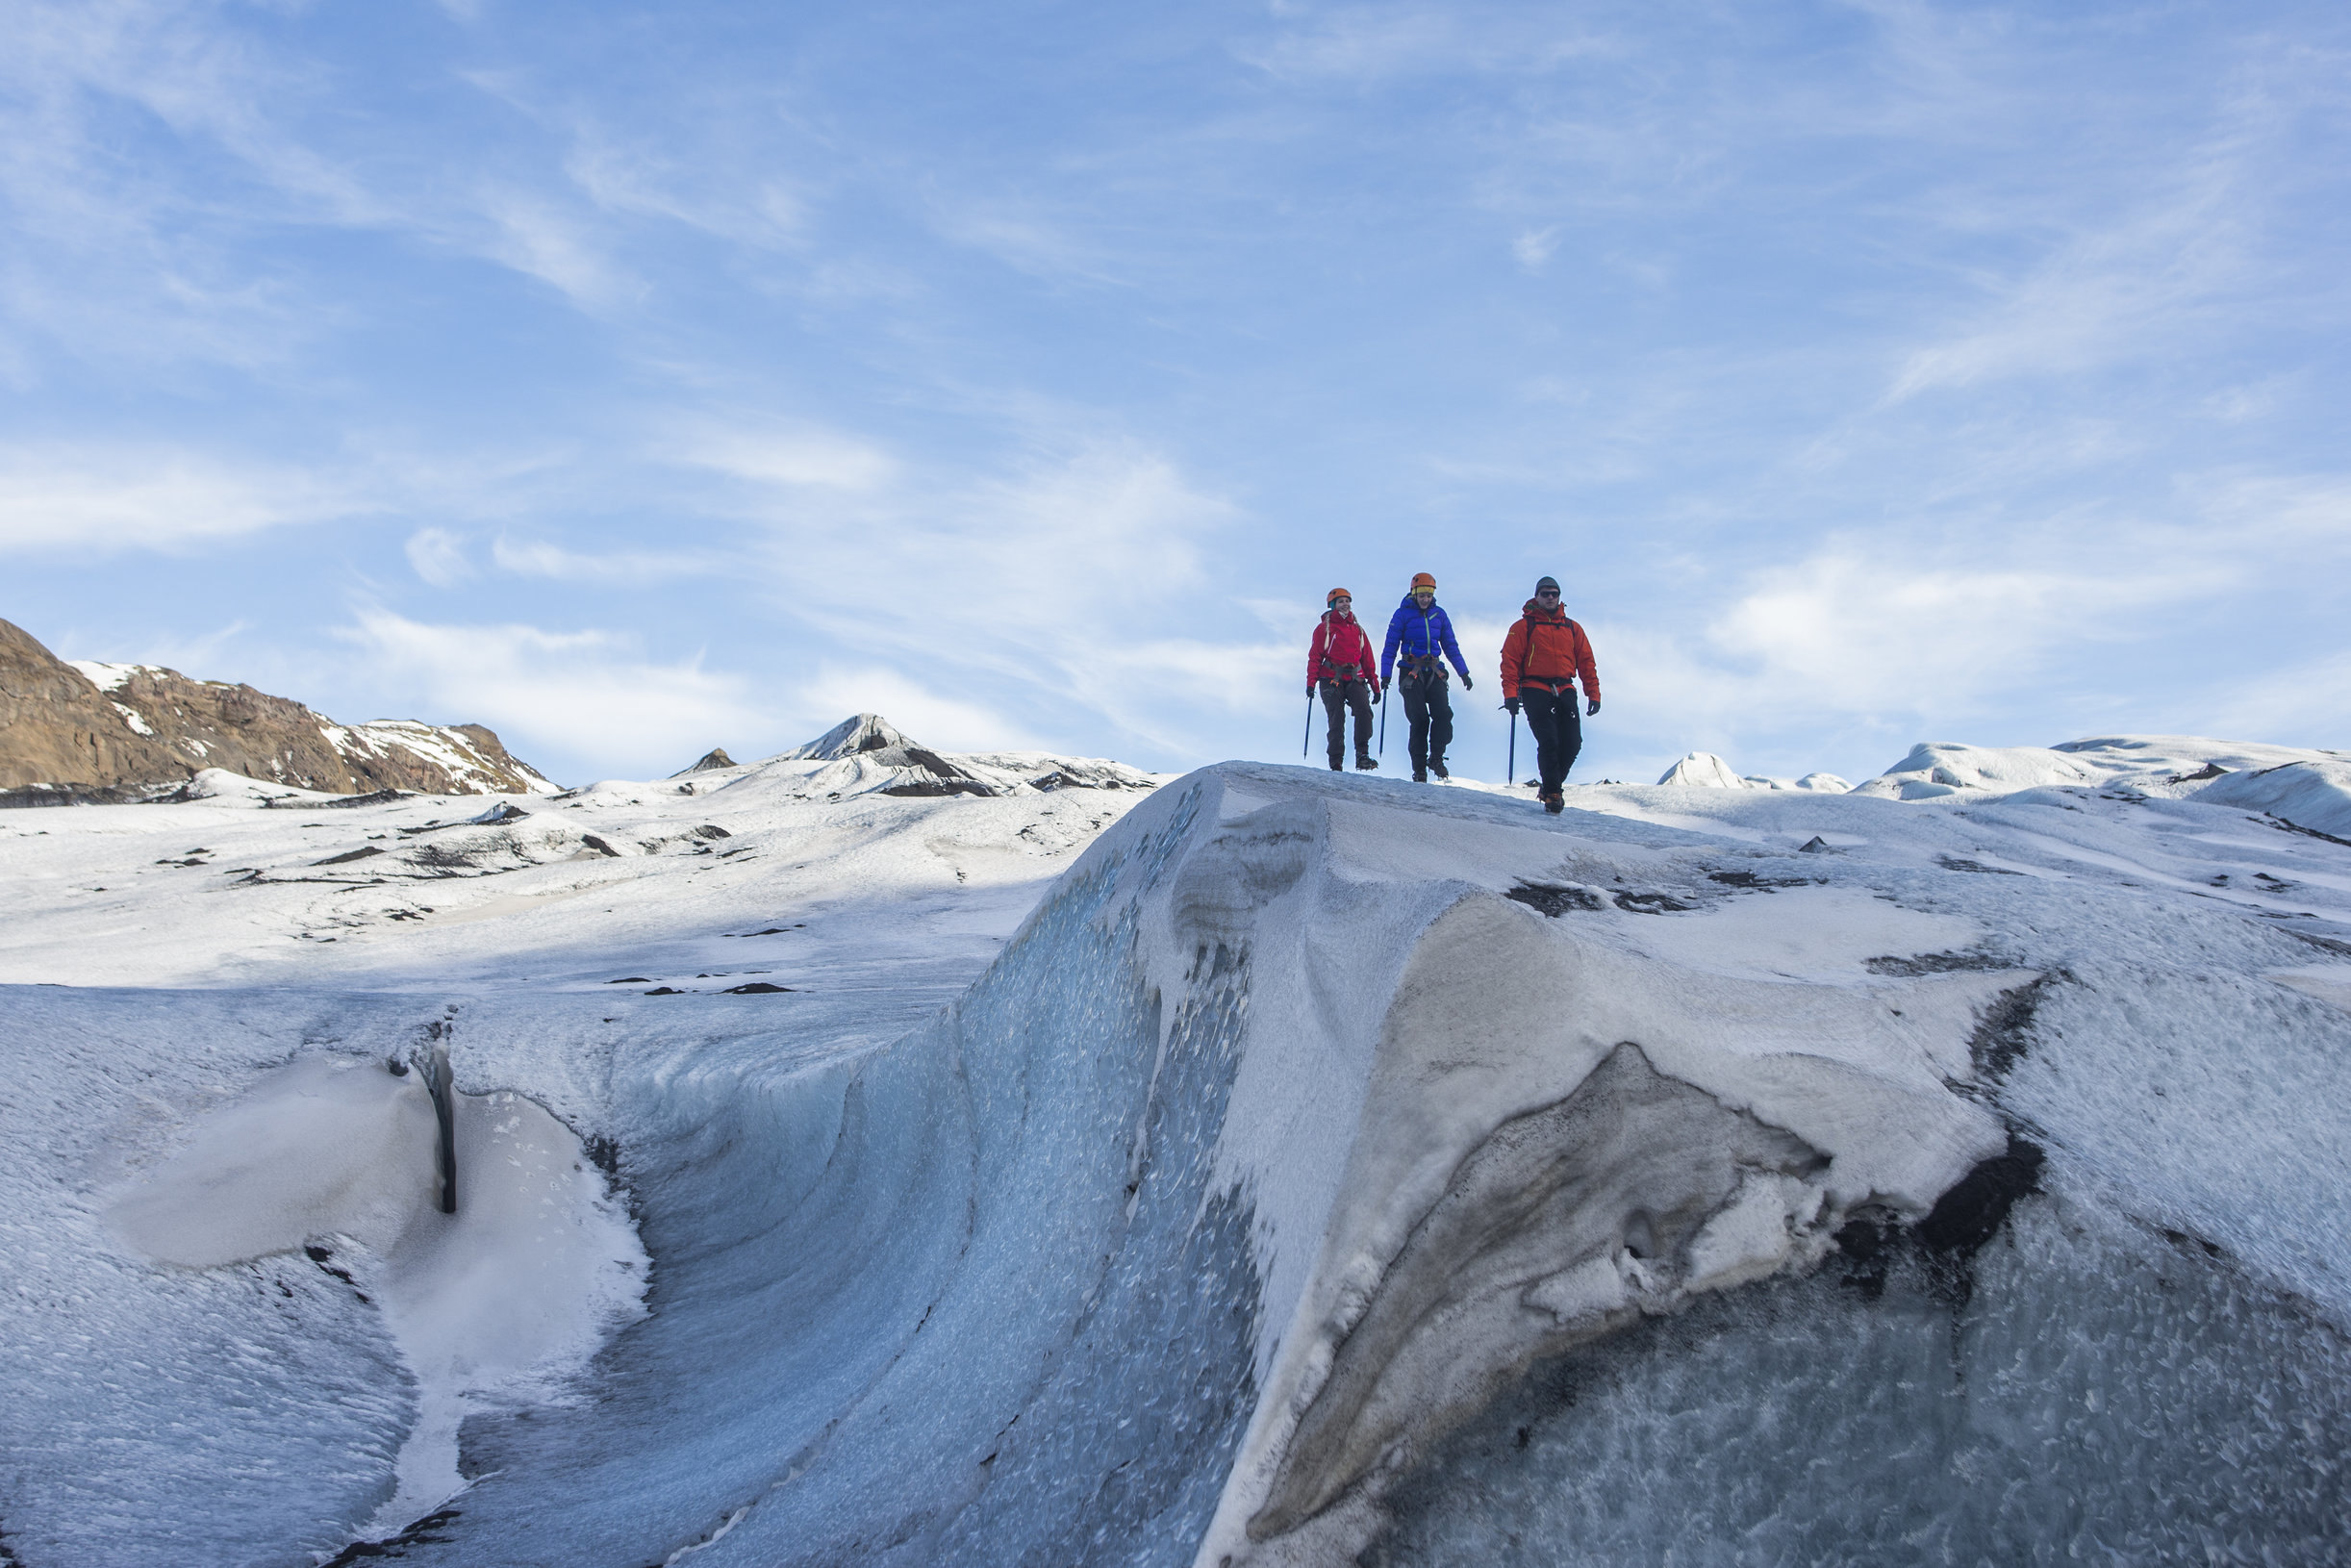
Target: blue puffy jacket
x=1420, y=634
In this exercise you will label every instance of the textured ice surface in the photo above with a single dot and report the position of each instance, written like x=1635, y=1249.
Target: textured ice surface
x=1320, y=1164
x=2100, y=1395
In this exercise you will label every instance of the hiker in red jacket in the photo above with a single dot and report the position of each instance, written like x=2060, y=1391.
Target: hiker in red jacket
x=1340, y=663
x=1541, y=659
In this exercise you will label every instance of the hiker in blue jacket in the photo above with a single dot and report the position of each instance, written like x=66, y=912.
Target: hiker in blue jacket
x=1420, y=630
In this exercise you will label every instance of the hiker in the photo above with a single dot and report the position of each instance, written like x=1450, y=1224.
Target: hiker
x=1339, y=664
x=1421, y=631
x=1540, y=659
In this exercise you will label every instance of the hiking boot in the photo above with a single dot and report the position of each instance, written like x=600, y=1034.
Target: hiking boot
x=1420, y=775
x=1553, y=801
x=1338, y=765
x=1436, y=766
x=1367, y=763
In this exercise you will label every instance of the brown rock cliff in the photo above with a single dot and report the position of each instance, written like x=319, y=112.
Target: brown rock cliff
x=143, y=724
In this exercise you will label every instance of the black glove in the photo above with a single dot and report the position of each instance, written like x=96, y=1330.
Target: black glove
x=1511, y=703
x=1467, y=684
x=1592, y=707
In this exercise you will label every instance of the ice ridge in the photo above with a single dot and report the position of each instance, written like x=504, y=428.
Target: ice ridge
x=1329, y=1171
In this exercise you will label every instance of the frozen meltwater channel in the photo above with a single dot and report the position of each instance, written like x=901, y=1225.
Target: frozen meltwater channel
x=504, y=1300
x=1324, y=1171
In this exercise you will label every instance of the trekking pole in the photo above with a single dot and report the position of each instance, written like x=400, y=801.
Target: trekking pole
x=1383, y=724
x=1510, y=770
x=1307, y=739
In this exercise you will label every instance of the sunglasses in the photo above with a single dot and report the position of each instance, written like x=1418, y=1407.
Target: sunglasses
x=1547, y=593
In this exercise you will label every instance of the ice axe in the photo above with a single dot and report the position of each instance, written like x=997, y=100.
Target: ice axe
x=1307, y=739
x=1383, y=722
x=1509, y=768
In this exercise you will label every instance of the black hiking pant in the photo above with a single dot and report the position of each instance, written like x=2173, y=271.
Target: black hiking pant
x=1558, y=732
x=1339, y=696
x=1432, y=712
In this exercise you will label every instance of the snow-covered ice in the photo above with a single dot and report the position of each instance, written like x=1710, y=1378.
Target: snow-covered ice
x=1264, y=1167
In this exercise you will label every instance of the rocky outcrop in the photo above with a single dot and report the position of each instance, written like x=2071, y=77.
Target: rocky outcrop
x=104, y=728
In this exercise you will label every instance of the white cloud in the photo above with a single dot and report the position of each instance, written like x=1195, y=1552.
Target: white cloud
x=587, y=693
x=438, y=557
x=1533, y=247
x=540, y=558
x=1059, y=581
x=537, y=237
x=641, y=178
x=2307, y=704
x=2180, y=249
x=100, y=500
x=2298, y=521
x=1847, y=631
x=119, y=248
x=780, y=454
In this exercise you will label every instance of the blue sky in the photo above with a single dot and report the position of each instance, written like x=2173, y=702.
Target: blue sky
x=639, y=379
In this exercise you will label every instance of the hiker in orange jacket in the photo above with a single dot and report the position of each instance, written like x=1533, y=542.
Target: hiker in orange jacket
x=1341, y=665
x=1541, y=660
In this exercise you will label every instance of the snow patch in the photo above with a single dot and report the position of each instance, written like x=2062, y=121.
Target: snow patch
x=113, y=677
x=503, y=1300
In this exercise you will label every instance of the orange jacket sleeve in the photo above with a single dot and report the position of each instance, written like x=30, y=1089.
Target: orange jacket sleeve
x=1583, y=662
x=1513, y=657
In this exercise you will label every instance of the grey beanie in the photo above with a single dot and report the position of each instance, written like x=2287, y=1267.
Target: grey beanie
x=1552, y=583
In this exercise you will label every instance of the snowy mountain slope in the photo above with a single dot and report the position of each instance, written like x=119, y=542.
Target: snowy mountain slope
x=2170, y=766
x=1703, y=770
x=1325, y=1164
x=78, y=730
x=2309, y=789
x=864, y=754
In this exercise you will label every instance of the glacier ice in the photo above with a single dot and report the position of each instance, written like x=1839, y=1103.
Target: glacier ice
x=1323, y=1170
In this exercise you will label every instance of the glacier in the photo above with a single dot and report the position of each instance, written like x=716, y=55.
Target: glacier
x=1258, y=1167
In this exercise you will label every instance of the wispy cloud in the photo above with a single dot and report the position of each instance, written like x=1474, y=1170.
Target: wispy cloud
x=438, y=557
x=99, y=500
x=1866, y=632
x=122, y=251
x=769, y=453
x=536, y=237
x=625, y=568
x=1936, y=635
x=2125, y=291
x=586, y=693
x=1064, y=580
x=1371, y=42
x=2307, y=704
